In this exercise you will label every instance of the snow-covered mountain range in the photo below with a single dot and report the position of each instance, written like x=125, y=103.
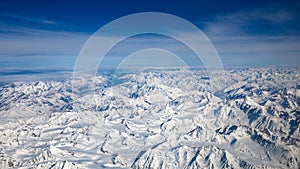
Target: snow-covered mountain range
x=154, y=120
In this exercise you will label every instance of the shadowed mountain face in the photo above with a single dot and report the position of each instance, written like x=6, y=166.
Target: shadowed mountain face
x=154, y=119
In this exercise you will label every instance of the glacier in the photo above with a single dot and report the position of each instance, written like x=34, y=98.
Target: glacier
x=154, y=119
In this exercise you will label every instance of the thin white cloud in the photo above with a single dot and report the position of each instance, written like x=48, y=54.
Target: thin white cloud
x=28, y=19
x=267, y=50
x=22, y=41
x=268, y=14
x=49, y=22
x=244, y=37
x=240, y=22
x=11, y=30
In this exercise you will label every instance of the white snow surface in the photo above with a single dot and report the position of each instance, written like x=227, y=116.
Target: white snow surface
x=154, y=120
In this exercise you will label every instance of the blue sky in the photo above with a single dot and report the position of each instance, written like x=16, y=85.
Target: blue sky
x=50, y=34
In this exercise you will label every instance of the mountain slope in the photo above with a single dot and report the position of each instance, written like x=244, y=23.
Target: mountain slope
x=155, y=120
